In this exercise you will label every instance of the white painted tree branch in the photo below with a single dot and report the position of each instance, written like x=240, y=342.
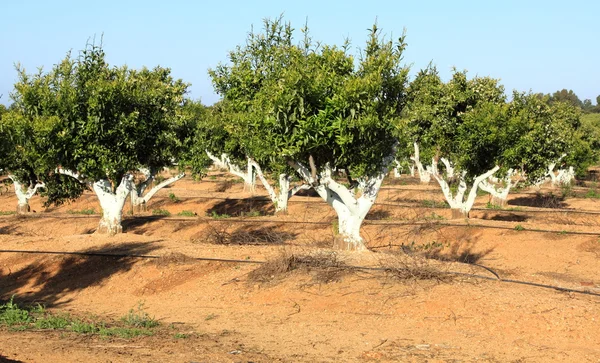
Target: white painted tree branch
x=73, y=174
x=449, y=167
x=249, y=176
x=499, y=192
x=351, y=211
x=23, y=196
x=458, y=201
x=146, y=198
x=424, y=175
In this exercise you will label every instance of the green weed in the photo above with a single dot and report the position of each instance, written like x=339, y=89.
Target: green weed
x=161, y=212
x=216, y=215
x=186, y=213
x=83, y=211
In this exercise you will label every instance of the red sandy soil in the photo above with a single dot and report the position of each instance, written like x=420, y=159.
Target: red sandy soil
x=361, y=316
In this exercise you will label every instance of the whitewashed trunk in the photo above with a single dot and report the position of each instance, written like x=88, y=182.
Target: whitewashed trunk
x=459, y=205
x=499, y=194
x=351, y=211
x=112, y=204
x=424, y=175
x=449, y=167
x=249, y=176
x=281, y=197
x=23, y=196
x=397, y=169
x=139, y=200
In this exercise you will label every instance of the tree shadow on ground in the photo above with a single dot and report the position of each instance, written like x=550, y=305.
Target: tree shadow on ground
x=4, y=359
x=48, y=279
x=307, y=193
x=510, y=217
x=459, y=252
x=540, y=201
x=378, y=215
x=252, y=207
x=139, y=225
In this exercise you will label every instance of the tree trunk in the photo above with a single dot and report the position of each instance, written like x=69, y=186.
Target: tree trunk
x=348, y=237
x=459, y=205
x=351, y=211
x=424, y=175
x=112, y=204
x=459, y=213
x=23, y=208
x=24, y=196
x=498, y=201
x=140, y=202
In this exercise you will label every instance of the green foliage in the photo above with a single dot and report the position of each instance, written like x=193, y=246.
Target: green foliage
x=519, y=227
x=489, y=205
x=216, y=215
x=98, y=120
x=136, y=322
x=83, y=211
x=433, y=204
x=173, y=198
x=139, y=318
x=284, y=101
x=7, y=213
x=12, y=315
x=186, y=213
x=161, y=212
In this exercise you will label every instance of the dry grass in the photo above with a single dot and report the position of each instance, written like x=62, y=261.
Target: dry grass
x=415, y=268
x=222, y=234
x=325, y=267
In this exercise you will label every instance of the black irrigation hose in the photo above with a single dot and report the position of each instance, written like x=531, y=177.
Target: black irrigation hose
x=123, y=255
x=118, y=255
x=366, y=222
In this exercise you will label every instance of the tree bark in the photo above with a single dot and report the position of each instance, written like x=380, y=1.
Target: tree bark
x=351, y=211
x=112, y=204
x=24, y=196
x=424, y=175
x=280, y=197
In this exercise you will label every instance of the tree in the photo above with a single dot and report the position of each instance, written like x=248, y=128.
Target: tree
x=23, y=157
x=567, y=96
x=315, y=112
x=238, y=133
x=106, y=122
x=535, y=135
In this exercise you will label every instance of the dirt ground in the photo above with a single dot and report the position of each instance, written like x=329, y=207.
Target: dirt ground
x=359, y=316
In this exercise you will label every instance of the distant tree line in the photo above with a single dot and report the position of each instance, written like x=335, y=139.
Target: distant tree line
x=570, y=97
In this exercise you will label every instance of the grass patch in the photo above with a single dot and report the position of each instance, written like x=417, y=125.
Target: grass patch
x=519, y=227
x=7, y=213
x=251, y=213
x=160, y=212
x=83, y=211
x=489, y=205
x=187, y=213
x=135, y=323
x=173, y=198
x=139, y=318
x=216, y=215
x=433, y=204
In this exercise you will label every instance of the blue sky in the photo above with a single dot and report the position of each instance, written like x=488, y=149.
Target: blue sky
x=541, y=46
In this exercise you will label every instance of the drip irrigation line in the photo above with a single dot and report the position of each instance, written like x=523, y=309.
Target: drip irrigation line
x=125, y=255
x=371, y=222
x=383, y=269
